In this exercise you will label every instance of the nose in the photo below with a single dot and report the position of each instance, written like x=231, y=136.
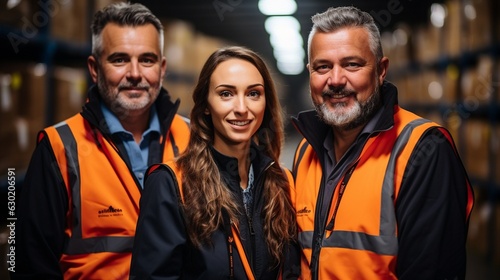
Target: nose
x=240, y=105
x=134, y=71
x=337, y=77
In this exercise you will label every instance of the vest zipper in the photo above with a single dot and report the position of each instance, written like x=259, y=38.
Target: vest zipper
x=318, y=239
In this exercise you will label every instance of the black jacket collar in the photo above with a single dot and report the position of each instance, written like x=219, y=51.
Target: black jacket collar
x=228, y=166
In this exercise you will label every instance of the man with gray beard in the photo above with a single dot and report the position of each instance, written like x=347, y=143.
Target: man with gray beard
x=79, y=205
x=381, y=193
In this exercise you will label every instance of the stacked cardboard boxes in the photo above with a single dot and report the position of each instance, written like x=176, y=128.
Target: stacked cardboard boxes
x=186, y=50
x=22, y=112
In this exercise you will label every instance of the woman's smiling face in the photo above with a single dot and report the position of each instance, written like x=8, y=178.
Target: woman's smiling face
x=236, y=102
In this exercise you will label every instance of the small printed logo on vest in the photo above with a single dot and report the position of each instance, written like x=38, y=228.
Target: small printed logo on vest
x=303, y=211
x=110, y=212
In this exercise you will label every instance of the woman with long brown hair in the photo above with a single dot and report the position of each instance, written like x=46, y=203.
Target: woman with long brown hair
x=223, y=208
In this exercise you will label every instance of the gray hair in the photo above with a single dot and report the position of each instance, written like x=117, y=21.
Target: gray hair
x=123, y=14
x=341, y=17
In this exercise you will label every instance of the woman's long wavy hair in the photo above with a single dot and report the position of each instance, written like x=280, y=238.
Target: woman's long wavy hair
x=205, y=194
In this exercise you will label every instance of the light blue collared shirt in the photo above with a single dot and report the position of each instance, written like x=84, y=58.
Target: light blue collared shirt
x=137, y=153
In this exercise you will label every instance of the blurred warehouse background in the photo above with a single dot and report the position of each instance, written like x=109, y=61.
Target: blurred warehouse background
x=444, y=57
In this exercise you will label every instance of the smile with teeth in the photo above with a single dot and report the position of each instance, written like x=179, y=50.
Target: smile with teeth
x=337, y=95
x=239, y=123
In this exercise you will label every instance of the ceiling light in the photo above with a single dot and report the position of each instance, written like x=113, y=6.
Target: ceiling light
x=277, y=24
x=277, y=7
x=438, y=14
x=290, y=68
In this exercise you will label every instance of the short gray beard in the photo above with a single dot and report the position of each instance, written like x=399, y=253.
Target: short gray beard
x=119, y=107
x=359, y=115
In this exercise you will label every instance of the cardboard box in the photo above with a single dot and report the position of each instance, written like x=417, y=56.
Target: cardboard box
x=477, y=17
x=204, y=46
x=435, y=117
x=427, y=43
x=69, y=21
x=9, y=97
x=182, y=91
x=17, y=14
x=179, y=46
x=404, y=90
x=450, y=80
x=18, y=139
x=424, y=87
x=477, y=136
x=70, y=92
x=496, y=154
x=23, y=92
x=453, y=37
x=186, y=51
x=496, y=246
x=99, y=4
x=34, y=94
x=477, y=84
x=388, y=45
x=477, y=238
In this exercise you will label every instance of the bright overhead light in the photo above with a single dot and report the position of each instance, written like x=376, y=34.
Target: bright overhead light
x=470, y=12
x=290, y=59
x=400, y=37
x=279, y=23
x=289, y=54
x=435, y=90
x=286, y=40
x=290, y=68
x=438, y=15
x=283, y=40
x=277, y=7
x=12, y=4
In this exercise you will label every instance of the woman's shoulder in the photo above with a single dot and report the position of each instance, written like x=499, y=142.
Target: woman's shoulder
x=162, y=177
x=168, y=169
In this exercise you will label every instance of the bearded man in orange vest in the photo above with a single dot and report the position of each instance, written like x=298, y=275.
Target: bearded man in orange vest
x=381, y=193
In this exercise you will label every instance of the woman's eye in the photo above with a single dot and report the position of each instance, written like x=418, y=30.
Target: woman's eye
x=225, y=93
x=254, y=93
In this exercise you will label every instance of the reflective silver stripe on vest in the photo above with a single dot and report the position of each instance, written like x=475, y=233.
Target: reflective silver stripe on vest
x=386, y=243
x=113, y=244
x=76, y=244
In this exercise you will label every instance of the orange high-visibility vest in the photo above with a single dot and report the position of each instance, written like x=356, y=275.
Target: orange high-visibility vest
x=363, y=243
x=103, y=198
